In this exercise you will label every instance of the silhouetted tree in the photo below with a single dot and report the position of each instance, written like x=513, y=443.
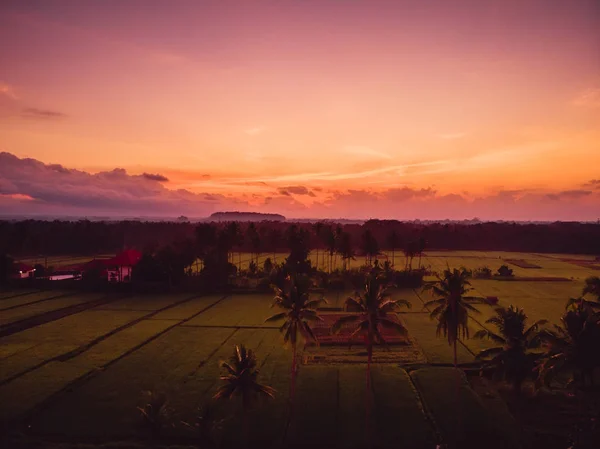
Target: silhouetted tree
x=372, y=309
x=513, y=360
x=6, y=268
x=345, y=249
x=298, y=313
x=572, y=347
x=241, y=380
x=370, y=246
x=451, y=306
x=393, y=241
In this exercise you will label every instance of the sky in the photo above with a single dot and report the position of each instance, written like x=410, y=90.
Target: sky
x=308, y=108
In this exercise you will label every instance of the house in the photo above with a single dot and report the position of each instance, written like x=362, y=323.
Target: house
x=22, y=271
x=119, y=268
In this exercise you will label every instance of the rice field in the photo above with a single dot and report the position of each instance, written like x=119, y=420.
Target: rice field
x=81, y=377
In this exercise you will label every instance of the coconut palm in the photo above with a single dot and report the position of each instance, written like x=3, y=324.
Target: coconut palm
x=374, y=310
x=328, y=236
x=370, y=246
x=592, y=286
x=241, y=379
x=345, y=249
x=572, y=347
x=318, y=229
x=393, y=242
x=298, y=313
x=512, y=360
x=451, y=306
x=421, y=245
x=275, y=238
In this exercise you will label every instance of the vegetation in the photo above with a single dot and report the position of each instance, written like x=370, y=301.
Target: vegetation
x=451, y=307
x=298, y=313
x=572, y=348
x=372, y=309
x=513, y=360
x=241, y=380
x=505, y=271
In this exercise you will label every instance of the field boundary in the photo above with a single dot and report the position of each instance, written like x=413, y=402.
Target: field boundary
x=62, y=295
x=85, y=347
x=53, y=315
x=21, y=294
x=27, y=416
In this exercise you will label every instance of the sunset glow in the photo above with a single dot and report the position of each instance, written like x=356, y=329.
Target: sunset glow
x=322, y=108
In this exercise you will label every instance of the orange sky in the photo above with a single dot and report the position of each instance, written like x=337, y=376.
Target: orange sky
x=335, y=99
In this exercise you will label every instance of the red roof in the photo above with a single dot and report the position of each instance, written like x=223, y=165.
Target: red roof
x=19, y=266
x=128, y=257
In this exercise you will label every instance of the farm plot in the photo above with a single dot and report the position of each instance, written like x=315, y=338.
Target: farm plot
x=461, y=418
x=29, y=310
x=7, y=294
x=238, y=310
x=30, y=298
x=540, y=300
x=106, y=404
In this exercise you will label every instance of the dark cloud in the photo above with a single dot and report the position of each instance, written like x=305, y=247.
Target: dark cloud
x=155, y=177
x=592, y=184
x=42, y=113
x=54, y=186
x=294, y=190
x=569, y=194
x=406, y=193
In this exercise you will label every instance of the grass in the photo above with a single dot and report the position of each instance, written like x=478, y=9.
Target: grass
x=330, y=398
x=466, y=422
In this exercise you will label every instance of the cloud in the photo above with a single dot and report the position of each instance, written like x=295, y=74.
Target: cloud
x=7, y=90
x=365, y=151
x=56, y=188
x=452, y=136
x=254, y=131
x=592, y=184
x=589, y=98
x=569, y=194
x=155, y=177
x=406, y=193
x=42, y=113
x=28, y=186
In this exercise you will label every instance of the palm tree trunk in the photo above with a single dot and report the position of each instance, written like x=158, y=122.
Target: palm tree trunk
x=293, y=377
x=245, y=421
x=420, y=253
x=393, y=258
x=368, y=392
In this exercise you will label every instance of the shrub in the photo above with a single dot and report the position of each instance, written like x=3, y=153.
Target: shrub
x=484, y=272
x=504, y=271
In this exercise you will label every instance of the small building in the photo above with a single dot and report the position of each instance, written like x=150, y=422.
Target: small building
x=22, y=271
x=119, y=268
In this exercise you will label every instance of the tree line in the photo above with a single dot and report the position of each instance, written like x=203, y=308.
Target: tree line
x=36, y=237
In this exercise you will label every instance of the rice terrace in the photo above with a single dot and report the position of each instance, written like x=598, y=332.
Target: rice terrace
x=79, y=367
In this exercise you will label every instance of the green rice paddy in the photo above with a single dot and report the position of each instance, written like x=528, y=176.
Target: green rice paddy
x=81, y=377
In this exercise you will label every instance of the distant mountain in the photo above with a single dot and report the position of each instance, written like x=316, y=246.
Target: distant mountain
x=245, y=216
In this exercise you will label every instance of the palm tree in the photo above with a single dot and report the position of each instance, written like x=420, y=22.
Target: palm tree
x=236, y=237
x=452, y=306
x=370, y=245
x=328, y=236
x=410, y=251
x=298, y=312
x=592, y=286
x=318, y=228
x=345, y=249
x=421, y=245
x=374, y=310
x=253, y=238
x=572, y=347
x=393, y=242
x=241, y=379
x=512, y=360
x=275, y=241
